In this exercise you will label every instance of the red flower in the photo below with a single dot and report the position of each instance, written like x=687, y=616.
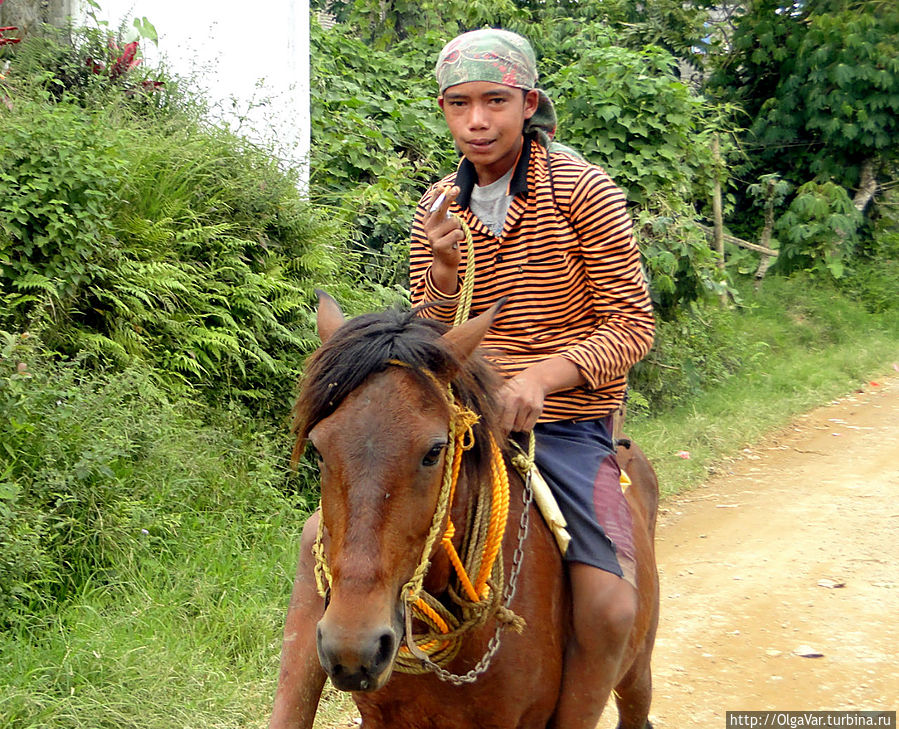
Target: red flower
x=126, y=61
x=93, y=65
x=8, y=41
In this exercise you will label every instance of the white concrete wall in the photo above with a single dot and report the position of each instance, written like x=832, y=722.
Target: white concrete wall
x=250, y=58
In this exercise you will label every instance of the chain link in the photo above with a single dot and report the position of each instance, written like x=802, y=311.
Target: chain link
x=527, y=497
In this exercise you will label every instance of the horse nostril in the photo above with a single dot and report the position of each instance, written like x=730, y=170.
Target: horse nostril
x=386, y=647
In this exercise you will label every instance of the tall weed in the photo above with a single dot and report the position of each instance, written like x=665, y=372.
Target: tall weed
x=103, y=475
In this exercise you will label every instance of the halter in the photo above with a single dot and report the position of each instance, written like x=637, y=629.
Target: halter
x=481, y=598
x=479, y=571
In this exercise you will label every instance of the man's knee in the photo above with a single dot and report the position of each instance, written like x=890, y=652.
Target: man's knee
x=605, y=605
x=619, y=610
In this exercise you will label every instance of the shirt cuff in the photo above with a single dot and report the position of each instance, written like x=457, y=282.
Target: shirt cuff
x=443, y=311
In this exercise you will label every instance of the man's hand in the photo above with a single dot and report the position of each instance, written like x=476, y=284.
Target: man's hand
x=521, y=397
x=444, y=236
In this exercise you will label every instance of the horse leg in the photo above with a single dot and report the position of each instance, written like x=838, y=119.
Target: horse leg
x=301, y=677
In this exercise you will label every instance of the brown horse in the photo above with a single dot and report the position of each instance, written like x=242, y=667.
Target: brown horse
x=378, y=404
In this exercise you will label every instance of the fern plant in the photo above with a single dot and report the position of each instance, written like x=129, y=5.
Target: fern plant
x=132, y=236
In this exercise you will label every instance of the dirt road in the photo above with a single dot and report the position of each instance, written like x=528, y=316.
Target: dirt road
x=780, y=586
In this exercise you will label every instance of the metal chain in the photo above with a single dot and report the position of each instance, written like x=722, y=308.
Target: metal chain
x=527, y=496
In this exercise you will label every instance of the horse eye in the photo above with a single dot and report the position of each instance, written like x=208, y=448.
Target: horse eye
x=433, y=456
x=313, y=452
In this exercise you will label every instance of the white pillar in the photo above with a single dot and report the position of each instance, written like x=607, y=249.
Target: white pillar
x=240, y=54
x=299, y=52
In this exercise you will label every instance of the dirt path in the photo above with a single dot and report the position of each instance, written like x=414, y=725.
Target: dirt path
x=792, y=550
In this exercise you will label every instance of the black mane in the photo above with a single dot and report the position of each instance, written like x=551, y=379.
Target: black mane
x=368, y=344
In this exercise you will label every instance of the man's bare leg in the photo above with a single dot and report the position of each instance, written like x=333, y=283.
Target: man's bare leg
x=603, y=611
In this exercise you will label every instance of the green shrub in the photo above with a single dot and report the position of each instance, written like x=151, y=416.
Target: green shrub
x=102, y=475
x=818, y=232
x=132, y=232
x=692, y=352
x=873, y=278
x=378, y=140
x=61, y=172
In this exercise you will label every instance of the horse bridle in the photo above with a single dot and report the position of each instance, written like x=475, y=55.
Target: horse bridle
x=432, y=650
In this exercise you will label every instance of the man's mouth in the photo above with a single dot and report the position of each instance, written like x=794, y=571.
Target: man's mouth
x=480, y=145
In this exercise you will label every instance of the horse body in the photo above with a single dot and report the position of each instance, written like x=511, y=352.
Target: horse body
x=382, y=446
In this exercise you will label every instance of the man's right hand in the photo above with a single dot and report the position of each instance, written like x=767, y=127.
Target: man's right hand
x=444, y=236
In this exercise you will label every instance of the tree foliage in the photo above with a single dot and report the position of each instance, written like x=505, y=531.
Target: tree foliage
x=379, y=139
x=820, y=83
x=627, y=111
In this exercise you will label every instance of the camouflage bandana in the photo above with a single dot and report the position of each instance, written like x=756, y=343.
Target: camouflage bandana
x=491, y=55
x=501, y=57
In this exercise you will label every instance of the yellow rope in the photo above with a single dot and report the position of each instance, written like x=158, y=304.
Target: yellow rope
x=498, y=516
x=456, y=562
x=464, y=306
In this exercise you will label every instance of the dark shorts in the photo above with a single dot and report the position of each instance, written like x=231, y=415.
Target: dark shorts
x=577, y=460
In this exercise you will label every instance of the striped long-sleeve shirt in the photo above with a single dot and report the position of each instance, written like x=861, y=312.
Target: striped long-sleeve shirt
x=567, y=262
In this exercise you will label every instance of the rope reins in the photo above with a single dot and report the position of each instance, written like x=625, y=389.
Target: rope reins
x=477, y=598
x=479, y=571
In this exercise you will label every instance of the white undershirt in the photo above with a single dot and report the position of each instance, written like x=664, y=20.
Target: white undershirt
x=491, y=202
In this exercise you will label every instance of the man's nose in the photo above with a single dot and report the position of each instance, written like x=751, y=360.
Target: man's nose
x=478, y=117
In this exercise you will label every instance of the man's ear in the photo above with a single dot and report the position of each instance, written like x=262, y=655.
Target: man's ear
x=531, y=101
x=440, y=102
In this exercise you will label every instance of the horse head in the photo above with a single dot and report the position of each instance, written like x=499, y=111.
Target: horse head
x=374, y=405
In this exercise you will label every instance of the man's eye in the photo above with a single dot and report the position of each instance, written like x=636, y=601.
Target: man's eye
x=433, y=456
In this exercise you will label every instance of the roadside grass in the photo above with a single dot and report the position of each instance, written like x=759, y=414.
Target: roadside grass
x=799, y=347
x=185, y=631
x=192, y=641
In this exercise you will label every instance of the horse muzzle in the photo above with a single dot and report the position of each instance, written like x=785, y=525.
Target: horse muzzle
x=357, y=659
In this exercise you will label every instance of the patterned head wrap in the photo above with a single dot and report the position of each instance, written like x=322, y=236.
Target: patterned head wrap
x=491, y=55
x=501, y=57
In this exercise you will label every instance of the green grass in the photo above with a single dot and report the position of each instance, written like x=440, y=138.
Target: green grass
x=191, y=642
x=183, y=627
x=799, y=346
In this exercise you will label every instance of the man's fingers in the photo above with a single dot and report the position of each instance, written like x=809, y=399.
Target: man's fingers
x=441, y=203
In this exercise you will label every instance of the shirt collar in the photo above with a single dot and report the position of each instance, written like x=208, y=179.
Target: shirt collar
x=467, y=177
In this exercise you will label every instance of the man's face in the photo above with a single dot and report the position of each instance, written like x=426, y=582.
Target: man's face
x=486, y=120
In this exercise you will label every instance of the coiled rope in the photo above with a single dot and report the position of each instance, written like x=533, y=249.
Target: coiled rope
x=477, y=599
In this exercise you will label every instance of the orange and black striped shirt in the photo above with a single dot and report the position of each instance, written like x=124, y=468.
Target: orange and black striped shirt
x=569, y=266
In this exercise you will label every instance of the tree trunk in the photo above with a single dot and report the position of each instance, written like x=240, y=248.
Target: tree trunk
x=717, y=215
x=765, y=240
x=29, y=15
x=867, y=185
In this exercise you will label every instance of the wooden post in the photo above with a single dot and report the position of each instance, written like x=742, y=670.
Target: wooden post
x=717, y=215
x=765, y=260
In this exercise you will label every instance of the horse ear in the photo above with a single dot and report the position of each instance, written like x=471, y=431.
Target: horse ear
x=468, y=335
x=329, y=317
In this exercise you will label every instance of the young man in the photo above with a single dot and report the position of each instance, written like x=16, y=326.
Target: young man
x=552, y=234
x=556, y=239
